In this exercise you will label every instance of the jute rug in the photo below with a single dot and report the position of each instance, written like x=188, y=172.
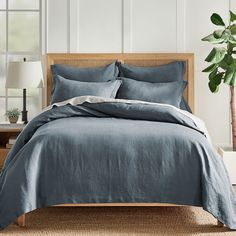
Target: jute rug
x=119, y=221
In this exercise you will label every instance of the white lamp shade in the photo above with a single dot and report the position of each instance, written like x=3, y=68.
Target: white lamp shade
x=25, y=75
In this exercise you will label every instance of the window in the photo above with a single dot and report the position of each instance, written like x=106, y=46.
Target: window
x=20, y=36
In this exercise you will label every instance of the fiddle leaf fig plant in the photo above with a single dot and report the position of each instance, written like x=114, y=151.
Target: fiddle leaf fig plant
x=222, y=59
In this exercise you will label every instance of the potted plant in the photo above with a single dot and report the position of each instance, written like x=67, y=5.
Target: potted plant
x=13, y=115
x=223, y=70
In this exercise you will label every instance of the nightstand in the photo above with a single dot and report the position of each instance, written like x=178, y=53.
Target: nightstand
x=7, y=131
x=229, y=159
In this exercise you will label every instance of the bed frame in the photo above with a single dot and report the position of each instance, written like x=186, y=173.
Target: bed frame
x=137, y=59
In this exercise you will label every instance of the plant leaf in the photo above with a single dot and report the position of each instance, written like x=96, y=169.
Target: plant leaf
x=226, y=35
x=217, y=20
x=232, y=16
x=233, y=29
x=215, y=82
x=216, y=55
x=211, y=68
x=214, y=88
x=232, y=40
x=226, y=62
x=233, y=81
x=218, y=33
x=230, y=76
x=213, y=74
x=210, y=38
x=218, y=78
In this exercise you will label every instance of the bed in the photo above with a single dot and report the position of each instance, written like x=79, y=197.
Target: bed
x=196, y=176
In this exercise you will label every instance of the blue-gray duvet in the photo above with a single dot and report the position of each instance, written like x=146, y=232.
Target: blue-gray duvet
x=114, y=152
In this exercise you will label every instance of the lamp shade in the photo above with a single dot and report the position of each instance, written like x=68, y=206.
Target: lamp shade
x=25, y=75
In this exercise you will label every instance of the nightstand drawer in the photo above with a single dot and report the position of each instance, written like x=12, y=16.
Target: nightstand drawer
x=3, y=155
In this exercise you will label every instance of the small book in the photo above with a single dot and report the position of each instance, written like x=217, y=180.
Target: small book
x=9, y=146
x=12, y=140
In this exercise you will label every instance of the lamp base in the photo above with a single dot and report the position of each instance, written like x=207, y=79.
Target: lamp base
x=24, y=112
x=24, y=117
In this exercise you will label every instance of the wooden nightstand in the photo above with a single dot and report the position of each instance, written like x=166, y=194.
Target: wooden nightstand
x=7, y=131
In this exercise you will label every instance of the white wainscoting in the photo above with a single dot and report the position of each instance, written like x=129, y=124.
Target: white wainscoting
x=145, y=26
x=100, y=26
x=148, y=33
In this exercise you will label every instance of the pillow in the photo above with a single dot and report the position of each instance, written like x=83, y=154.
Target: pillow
x=96, y=74
x=164, y=73
x=168, y=93
x=65, y=89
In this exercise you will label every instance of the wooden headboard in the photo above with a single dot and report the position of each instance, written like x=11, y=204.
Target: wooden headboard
x=136, y=59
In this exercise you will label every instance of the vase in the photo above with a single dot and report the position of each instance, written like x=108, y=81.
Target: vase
x=13, y=120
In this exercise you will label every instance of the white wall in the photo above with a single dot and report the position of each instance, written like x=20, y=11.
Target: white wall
x=145, y=26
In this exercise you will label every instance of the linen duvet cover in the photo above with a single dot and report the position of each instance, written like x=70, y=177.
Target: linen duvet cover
x=97, y=150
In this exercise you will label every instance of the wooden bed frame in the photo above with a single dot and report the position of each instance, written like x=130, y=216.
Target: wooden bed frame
x=137, y=59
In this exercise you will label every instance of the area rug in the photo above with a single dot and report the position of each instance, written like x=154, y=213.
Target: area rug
x=112, y=221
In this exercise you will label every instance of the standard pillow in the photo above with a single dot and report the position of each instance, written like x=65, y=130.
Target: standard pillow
x=95, y=74
x=168, y=93
x=160, y=74
x=65, y=89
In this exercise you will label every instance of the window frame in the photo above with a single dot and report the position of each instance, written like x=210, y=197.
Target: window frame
x=8, y=53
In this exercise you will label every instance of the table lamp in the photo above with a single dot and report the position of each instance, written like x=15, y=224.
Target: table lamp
x=23, y=75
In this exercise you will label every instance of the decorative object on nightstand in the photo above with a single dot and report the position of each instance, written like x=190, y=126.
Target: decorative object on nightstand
x=25, y=75
x=8, y=134
x=13, y=115
x=222, y=68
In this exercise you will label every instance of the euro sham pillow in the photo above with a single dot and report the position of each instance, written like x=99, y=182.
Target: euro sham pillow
x=160, y=74
x=65, y=89
x=93, y=74
x=167, y=93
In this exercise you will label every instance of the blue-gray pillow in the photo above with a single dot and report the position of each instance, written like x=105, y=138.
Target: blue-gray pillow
x=167, y=93
x=160, y=74
x=93, y=74
x=65, y=89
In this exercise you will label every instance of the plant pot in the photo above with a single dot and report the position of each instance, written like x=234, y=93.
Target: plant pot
x=13, y=120
x=229, y=158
